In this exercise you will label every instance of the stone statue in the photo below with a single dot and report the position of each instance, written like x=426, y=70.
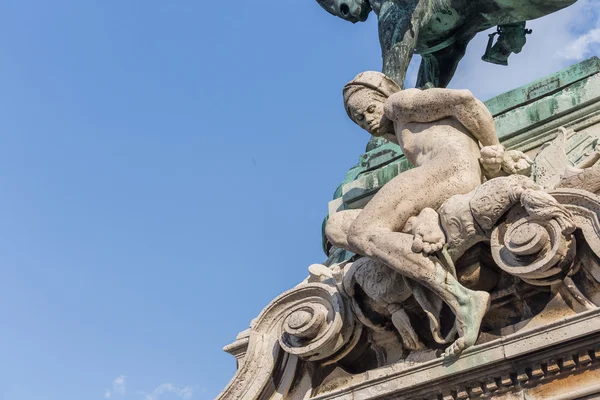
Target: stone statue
x=455, y=254
x=473, y=242
x=440, y=30
x=334, y=317
x=439, y=131
x=466, y=220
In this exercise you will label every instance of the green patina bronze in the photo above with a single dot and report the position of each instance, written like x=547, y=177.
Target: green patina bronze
x=440, y=30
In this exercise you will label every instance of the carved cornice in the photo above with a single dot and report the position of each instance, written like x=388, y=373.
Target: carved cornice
x=525, y=376
x=310, y=322
x=519, y=360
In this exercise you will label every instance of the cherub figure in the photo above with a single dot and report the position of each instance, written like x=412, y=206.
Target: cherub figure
x=439, y=131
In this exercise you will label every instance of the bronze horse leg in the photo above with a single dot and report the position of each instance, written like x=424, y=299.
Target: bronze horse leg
x=399, y=24
x=438, y=68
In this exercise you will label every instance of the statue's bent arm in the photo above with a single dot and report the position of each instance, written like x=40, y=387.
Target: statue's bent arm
x=426, y=106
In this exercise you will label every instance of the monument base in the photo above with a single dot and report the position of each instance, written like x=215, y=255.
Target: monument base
x=560, y=360
x=332, y=336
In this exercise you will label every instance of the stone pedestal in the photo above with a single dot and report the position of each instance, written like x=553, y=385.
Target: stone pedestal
x=559, y=360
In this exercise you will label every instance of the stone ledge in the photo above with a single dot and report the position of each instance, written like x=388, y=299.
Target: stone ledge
x=542, y=87
x=518, y=359
x=239, y=347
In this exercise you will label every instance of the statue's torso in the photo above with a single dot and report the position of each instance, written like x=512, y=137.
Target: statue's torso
x=423, y=142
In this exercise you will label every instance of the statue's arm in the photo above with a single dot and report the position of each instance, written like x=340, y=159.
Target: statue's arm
x=503, y=192
x=424, y=106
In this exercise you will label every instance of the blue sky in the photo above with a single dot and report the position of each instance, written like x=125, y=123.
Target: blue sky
x=164, y=170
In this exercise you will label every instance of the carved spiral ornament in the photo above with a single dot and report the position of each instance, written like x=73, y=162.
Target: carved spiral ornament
x=319, y=327
x=534, y=250
x=312, y=322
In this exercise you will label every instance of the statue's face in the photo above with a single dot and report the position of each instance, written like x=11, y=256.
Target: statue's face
x=350, y=10
x=366, y=109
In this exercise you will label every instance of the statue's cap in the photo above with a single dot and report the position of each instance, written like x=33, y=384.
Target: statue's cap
x=373, y=80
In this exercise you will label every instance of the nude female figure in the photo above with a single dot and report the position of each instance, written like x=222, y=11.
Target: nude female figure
x=439, y=131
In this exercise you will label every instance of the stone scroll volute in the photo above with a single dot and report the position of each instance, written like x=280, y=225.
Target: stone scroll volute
x=311, y=322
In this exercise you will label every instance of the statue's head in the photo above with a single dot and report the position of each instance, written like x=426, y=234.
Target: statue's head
x=364, y=100
x=350, y=10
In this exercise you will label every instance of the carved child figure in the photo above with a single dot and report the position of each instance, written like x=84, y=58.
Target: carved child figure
x=439, y=131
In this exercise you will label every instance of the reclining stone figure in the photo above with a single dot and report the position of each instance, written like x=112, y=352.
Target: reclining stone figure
x=439, y=131
x=466, y=220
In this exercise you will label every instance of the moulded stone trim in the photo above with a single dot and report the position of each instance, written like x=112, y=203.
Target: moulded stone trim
x=512, y=361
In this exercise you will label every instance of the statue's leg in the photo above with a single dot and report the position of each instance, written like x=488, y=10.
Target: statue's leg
x=428, y=72
x=338, y=226
x=406, y=195
x=399, y=24
x=439, y=67
x=469, y=306
x=375, y=234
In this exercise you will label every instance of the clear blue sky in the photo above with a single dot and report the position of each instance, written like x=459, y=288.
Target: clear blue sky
x=164, y=170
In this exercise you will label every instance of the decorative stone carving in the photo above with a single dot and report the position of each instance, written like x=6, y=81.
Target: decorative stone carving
x=534, y=364
x=540, y=251
x=384, y=292
x=312, y=322
x=531, y=237
x=465, y=256
x=554, y=169
x=438, y=130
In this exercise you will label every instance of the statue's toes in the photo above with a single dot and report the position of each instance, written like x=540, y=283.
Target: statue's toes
x=449, y=351
x=417, y=244
x=427, y=249
x=455, y=348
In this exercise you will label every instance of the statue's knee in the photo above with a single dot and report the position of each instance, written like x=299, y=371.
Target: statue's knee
x=359, y=239
x=336, y=230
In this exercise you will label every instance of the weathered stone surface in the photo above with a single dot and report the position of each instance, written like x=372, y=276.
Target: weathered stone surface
x=511, y=268
x=468, y=273
x=439, y=131
x=548, y=108
x=543, y=87
x=515, y=365
x=525, y=118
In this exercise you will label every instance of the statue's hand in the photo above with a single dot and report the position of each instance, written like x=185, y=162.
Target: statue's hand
x=492, y=159
x=544, y=207
x=495, y=159
x=516, y=162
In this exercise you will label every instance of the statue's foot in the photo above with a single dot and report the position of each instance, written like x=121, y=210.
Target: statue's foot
x=469, y=320
x=427, y=231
